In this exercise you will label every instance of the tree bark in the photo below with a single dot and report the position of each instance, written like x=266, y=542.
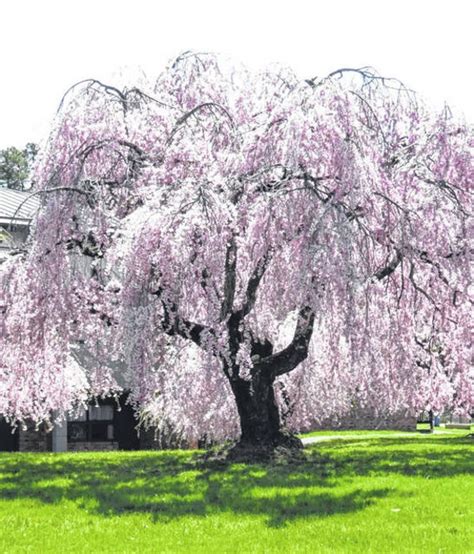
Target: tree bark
x=259, y=417
x=261, y=429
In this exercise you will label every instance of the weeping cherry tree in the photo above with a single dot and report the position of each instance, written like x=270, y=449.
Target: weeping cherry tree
x=245, y=252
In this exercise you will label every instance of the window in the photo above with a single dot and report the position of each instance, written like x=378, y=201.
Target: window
x=96, y=424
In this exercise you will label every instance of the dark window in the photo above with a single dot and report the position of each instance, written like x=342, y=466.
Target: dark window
x=94, y=424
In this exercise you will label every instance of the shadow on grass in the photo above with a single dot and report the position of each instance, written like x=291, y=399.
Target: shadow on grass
x=168, y=485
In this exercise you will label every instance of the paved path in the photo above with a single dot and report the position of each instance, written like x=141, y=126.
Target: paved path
x=372, y=435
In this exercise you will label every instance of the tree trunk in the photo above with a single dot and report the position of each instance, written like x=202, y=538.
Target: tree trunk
x=260, y=424
x=262, y=436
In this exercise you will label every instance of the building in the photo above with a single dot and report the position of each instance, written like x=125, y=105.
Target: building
x=17, y=209
x=106, y=424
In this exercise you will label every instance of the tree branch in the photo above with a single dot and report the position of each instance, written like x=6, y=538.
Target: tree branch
x=254, y=282
x=173, y=324
x=297, y=351
x=229, y=278
x=235, y=319
x=390, y=267
x=46, y=191
x=209, y=105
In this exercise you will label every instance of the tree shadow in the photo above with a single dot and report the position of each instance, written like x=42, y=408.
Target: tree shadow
x=173, y=484
x=168, y=485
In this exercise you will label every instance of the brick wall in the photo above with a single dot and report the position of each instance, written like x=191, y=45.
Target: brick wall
x=91, y=446
x=151, y=439
x=34, y=440
x=38, y=440
x=400, y=422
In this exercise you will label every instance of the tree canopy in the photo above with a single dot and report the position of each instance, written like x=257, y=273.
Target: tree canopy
x=16, y=165
x=244, y=247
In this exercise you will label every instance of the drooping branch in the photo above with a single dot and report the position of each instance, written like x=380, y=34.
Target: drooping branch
x=448, y=189
x=327, y=196
x=417, y=287
x=368, y=76
x=212, y=106
x=113, y=91
x=125, y=97
x=46, y=191
x=424, y=256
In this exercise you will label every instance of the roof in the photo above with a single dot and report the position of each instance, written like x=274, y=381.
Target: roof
x=17, y=207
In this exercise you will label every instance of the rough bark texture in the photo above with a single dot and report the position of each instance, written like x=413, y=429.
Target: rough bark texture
x=262, y=436
x=259, y=417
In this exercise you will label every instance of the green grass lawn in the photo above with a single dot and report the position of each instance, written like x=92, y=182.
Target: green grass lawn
x=366, y=492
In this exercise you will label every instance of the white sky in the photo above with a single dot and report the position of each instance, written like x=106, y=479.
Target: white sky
x=47, y=45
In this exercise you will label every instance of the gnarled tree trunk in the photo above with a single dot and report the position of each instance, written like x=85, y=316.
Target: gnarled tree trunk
x=258, y=412
x=260, y=423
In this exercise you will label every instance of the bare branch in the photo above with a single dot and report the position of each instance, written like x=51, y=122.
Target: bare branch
x=446, y=188
x=368, y=75
x=425, y=258
x=236, y=318
x=417, y=287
